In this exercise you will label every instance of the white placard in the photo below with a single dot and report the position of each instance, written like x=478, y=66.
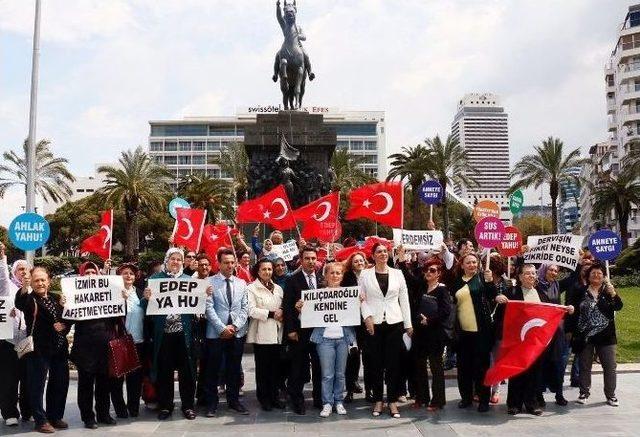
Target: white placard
x=418, y=240
x=330, y=306
x=177, y=296
x=560, y=249
x=93, y=297
x=286, y=251
x=6, y=322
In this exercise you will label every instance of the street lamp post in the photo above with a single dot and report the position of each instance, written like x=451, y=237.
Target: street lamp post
x=31, y=139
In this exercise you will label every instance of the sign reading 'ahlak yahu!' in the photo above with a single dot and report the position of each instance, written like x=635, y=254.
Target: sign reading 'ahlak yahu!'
x=330, y=306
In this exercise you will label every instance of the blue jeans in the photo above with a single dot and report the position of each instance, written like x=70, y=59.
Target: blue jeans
x=333, y=353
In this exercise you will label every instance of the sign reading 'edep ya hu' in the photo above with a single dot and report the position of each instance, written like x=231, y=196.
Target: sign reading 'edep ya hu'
x=560, y=249
x=93, y=297
x=330, y=306
x=177, y=296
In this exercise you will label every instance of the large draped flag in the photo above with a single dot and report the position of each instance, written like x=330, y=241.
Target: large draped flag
x=272, y=208
x=100, y=243
x=187, y=231
x=527, y=330
x=382, y=202
x=320, y=218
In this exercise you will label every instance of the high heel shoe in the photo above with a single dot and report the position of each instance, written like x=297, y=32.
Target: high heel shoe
x=376, y=412
x=396, y=414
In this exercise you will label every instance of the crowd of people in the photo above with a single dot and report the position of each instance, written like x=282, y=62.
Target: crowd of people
x=442, y=303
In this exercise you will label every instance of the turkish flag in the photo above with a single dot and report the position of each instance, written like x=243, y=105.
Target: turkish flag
x=214, y=237
x=187, y=231
x=320, y=218
x=272, y=208
x=382, y=202
x=100, y=242
x=527, y=330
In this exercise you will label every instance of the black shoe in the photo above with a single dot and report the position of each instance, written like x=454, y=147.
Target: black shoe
x=513, y=411
x=107, y=420
x=560, y=400
x=299, y=410
x=164, y=414
x=357, y=388
x=211, y=412
x=541, y=402
x=534, y=411
x=575, y=383
x=91, y=425
x=483, y=408
x=368, y=397
x=239, y=408
x=189, y=414
x=348, y=398
x=465, y=404
x=279, y=404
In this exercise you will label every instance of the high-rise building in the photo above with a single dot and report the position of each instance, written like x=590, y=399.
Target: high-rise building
x=83, y=186
x=481, y=127
x=622, y=88
x=569, y=205
x=186, y=146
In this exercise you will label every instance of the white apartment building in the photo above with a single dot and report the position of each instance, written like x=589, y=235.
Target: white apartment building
x=622, y=87
x=84, y=186
x=187, y=145
x=481, y=127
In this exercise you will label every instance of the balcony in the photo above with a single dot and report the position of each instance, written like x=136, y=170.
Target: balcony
x=629, y=115
x=611, y=106
x=628, y=93
x=631, y=71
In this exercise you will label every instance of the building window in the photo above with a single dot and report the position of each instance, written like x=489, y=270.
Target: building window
x=199, y=160
x=342, y=145
x=80, y=190
x=370, y=145
x=185, y=146
x=156, y=146
x=179, y=130
x=356, y=145
x=356, y=129
x=171, y=160
x=213, y=145
x=184, y=160
x=198, y=146
x=170, y=146
x=223, y=131
x=370, y=159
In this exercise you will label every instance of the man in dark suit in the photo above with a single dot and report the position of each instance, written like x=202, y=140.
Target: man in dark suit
x=301, y=350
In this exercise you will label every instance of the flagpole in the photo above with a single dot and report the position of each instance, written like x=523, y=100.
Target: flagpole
x=376, y=228
x=430, y=213
x=233, y=247
x=204, y=219
x=111, y=231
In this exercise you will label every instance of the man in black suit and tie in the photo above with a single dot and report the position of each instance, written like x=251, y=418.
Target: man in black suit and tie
x=301, y=350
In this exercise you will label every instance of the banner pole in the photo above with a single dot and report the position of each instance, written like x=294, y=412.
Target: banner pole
x=111, y=230
x=508, y=267
x=488, y=259
x=430, y=213
x=606, y=264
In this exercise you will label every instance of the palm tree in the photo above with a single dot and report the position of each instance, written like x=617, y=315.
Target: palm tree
x=412, y=164
x=548, y=165
x=234, y=164
x=348, y=173
x=463, y=224
x=137, y=183
x=617, y=194
x=204, y=192
x=449, y=165
x=52, y=176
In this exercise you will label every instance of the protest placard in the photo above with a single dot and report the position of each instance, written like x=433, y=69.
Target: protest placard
x=6, y=322
x=286, y=251
x=418, y=240
x=330, y=306
x=177, y=296
x=560, y=249
x=93, y=297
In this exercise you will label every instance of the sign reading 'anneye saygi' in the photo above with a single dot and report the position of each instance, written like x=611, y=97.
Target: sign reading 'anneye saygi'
x=93, y=297
x=560, y=249
x=418, y=240
x=330, y=306
x=177, y=296
x=6, y=322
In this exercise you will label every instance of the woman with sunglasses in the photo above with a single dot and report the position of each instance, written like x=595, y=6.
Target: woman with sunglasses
x=432, y=310
x=387, y=315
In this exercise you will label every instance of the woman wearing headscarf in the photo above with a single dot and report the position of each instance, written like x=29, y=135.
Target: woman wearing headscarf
x=12, y=369
x=594, y=331
x=173, y=346
x=47, y=364
x=90, y=354
x=134, y=325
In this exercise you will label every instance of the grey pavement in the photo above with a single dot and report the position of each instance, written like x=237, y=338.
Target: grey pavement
x=596, y=418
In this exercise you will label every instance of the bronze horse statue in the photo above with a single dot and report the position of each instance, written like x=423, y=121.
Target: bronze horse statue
x=292, y=63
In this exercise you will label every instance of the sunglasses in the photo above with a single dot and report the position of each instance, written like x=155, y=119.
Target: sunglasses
x=433, y=270
x=190, y=256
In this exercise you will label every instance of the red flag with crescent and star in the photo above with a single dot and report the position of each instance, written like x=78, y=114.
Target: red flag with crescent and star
x=100, y=243
x=382, y=202
x=214, y=237
x=320, y=218
x=272, y=208
x=187, y=231
x=527, y=330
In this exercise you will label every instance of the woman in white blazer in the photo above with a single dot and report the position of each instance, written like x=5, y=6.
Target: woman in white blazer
x=265, y=332
x=386, y=315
